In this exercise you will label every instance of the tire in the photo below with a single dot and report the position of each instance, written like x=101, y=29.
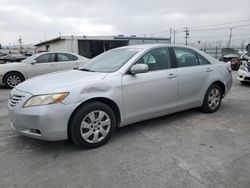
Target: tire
x=86, y=130
x=12, y=79
x=212, y=99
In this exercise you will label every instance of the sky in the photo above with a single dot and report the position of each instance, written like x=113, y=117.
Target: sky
x=208, y=21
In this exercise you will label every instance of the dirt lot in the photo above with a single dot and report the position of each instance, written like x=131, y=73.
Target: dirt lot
x=186, y=149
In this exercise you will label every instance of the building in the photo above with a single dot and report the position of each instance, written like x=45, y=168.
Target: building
x=91, y=46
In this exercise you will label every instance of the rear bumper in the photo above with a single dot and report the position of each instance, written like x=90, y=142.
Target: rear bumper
x=228, y=85
x=1, y=79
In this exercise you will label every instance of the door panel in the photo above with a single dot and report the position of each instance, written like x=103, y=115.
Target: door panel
x=66, y=61
x=193, y=72
x=44, y=64
x=192, y=81
x=149, y=93
x=152, y=92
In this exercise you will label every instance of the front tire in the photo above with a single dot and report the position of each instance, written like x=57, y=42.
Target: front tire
x=13, y=79
x=212, y=99
x=92, y=125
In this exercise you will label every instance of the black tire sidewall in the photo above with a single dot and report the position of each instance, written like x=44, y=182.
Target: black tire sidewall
x=77, y=118
x=205, y=106
x=10, y=74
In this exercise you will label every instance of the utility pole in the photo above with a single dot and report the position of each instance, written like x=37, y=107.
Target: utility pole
x=170, y=35
x=20, y=43
x=230, y=37
x=186, y=30
x=174, y=36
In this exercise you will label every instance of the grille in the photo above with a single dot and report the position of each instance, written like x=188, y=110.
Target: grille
x=15, y=99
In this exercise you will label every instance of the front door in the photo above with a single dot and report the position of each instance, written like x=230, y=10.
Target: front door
x=45, y=63
x=153, y=92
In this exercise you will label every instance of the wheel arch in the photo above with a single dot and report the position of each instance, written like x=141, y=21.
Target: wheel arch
x=104, y=100
x=222, y=86
x=17, y=72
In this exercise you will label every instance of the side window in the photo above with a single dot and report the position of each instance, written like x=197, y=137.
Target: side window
x=156, y=59
x=202, y=60
x=46, y=58
x=185, y=57
x=65, y=57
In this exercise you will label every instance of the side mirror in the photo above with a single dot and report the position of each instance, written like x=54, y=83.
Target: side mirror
x=33, y=62
x=139, y=68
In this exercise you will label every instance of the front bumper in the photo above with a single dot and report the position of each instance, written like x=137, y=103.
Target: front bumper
x=243, y=76
x=48, y=122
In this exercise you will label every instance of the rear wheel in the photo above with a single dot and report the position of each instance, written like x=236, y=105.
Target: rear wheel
x=92, y=125
x=212, y=99
x=13, y=79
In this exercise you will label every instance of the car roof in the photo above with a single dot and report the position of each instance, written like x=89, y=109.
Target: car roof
x=149, y=46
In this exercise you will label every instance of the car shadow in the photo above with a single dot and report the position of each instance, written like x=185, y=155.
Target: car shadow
x=3, y=86
x=121, y=134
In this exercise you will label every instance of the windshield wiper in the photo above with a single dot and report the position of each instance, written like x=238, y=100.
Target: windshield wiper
x=84, y=69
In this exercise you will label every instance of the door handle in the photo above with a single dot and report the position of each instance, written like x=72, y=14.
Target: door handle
x=171, y=76
x=209, y=70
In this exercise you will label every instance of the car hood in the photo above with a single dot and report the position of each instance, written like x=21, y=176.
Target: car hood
x=58, y=81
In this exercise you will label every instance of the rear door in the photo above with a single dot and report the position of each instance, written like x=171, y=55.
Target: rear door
x=193, y=71
x=45, y=63
x=66, y=61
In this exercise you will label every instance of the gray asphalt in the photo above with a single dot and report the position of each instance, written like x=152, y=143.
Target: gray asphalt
x=186, y=149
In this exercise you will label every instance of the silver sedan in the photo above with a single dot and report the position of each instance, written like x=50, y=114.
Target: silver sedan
x=119, y=87
x=12, y=74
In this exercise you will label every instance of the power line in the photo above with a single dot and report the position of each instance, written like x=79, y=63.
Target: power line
x=227, y=23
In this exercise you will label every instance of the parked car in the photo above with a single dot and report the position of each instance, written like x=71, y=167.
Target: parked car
x=234, y=59
x=119, y=87
x=12, y=74
x=244, y=73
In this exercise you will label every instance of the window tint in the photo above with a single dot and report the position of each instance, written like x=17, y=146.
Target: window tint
x=202, y=60
x=156, y=59
x=185, y=57
x=66, y=57
x=46, y=58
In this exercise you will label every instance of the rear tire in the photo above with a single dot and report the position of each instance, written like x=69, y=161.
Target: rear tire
x=12, y=79
x=92, y=125
x=212, y=99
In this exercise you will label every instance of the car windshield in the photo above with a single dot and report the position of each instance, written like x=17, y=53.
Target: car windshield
x=29, y=58
x=110, y=61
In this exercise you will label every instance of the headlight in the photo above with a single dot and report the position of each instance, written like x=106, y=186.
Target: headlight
x=45, y=99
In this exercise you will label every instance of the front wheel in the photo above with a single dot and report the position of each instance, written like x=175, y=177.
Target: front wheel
x=13, y=79
x=212, y=99
x=92, y=125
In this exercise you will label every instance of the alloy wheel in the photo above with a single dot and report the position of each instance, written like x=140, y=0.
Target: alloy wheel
x=214, y=98
x=13, y=80
x=95, y=126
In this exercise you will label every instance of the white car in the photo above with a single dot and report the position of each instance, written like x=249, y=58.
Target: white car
x=244, y=73
x=12, y=74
